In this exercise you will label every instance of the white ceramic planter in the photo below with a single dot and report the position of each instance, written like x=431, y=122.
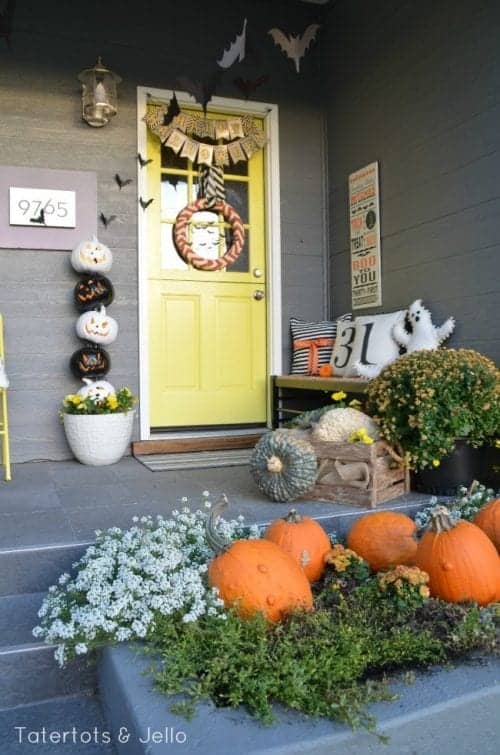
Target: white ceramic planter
x=98, y=439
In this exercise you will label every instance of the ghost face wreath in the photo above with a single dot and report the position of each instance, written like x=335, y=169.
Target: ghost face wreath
x=181, y=235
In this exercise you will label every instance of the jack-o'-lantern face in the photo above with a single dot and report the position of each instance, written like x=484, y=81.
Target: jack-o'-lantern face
x=92, y=291
x=97, y=327
x=96, y=390
x=90, y=361
x=91, y=256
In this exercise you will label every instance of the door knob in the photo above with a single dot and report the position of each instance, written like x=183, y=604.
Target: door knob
x=258, y=295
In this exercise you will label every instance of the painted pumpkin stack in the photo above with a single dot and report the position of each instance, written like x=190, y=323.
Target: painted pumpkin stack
x=92, y=294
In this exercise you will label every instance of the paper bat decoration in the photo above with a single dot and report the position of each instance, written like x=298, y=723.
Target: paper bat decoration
x=122, y=182
x=142, y=161
x=106, y=220
x=202, y=91
x=172, y=110
x=6, y=20
x=236, y=50
x=39, y=218
x=295, y=46
x=248, y=86
x=145, y=203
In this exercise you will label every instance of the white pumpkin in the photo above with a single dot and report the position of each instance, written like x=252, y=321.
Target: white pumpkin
x=96, y=390
x=97, y=327
x=91, y=257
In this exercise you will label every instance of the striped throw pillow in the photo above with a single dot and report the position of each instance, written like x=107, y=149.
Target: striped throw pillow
x=312, y=344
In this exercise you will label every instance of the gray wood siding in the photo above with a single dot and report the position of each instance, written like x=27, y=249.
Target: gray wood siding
x=148, y=44
x=416, y=86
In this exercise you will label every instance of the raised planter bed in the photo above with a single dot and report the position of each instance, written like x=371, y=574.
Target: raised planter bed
x=446, y=711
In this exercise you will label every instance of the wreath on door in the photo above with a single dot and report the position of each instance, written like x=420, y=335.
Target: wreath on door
x=181, y=234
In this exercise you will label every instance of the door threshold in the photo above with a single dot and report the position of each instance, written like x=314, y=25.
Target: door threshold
x=199, y=441
x=200, y=433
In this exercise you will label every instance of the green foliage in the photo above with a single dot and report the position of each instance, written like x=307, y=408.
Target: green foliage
x=327, y=663
x=425, y=400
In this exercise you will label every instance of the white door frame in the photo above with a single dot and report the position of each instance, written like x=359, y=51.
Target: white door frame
x=269, y=114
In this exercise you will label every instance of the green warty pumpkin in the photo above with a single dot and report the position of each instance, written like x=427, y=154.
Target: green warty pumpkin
x=284, y=467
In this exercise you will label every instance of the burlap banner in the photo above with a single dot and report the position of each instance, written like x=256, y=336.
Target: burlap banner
x=187, y=131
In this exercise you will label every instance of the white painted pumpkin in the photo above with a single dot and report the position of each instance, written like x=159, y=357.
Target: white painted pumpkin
x=96, y=389
x=91, y=256
x=97, y=327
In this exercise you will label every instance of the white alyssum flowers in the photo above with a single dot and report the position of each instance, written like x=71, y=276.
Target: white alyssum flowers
x=466, y=504
x=128, y=576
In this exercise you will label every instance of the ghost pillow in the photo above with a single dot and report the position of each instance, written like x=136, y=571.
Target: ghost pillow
x=374, y=346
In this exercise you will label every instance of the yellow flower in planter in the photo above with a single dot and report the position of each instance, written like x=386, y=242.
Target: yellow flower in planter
x=339, y=396
x=436, y=463
x=112, y=401
x=360, y=436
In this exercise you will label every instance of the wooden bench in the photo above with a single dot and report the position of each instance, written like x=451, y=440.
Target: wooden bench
x=294, y=394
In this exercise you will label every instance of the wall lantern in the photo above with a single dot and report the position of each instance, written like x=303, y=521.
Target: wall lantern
x=99, y=97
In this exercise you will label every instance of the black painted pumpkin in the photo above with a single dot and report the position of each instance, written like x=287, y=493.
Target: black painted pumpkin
x=93, y=291
x=90, y=361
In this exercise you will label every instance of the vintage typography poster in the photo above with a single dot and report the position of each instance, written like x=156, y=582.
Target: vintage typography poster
x=364, y=221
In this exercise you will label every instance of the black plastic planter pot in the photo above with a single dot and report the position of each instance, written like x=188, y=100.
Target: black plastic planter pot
x=461, y=467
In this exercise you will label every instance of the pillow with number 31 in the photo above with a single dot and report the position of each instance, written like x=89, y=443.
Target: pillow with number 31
x=364, y=347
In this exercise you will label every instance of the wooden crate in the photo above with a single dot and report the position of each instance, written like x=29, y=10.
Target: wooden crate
x=358, y=473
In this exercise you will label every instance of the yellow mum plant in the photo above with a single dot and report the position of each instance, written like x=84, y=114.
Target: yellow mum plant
x=426, y=400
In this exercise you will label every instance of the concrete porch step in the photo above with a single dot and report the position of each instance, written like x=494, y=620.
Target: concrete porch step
x=446, y=711
x=28, y=670
x=29, y=673
x=34, y=569
x=20, y=727
x=18, y=616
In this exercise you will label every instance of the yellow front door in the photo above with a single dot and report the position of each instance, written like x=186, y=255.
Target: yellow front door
x=207, y=330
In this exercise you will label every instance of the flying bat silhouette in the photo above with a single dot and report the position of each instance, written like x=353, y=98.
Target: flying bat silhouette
x=142, y=161
x=39, y=218
x=145, y=203
x=6, y=20
x=172, y=110
x=248, y=86
x=202, y=91
x=122, y=182
x=236, y=49
x=295, y=46
x=106, y=220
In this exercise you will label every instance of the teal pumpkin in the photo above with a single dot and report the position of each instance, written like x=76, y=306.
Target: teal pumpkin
x=283, y=466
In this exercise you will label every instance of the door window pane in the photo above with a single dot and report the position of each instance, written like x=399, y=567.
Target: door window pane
x=242, y=264
x=170, y=258
x=170, y=160
x=237, y=197
x=237, y=169
x=174, y=195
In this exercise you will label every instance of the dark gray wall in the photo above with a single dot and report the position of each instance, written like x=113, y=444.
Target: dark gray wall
x=416, y=85
x=151, y=44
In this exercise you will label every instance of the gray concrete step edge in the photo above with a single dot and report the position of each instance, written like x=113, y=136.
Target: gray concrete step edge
x=29, y=674
x=33, y=569
x=81, y=711
x=18, y=616
x=450, y=711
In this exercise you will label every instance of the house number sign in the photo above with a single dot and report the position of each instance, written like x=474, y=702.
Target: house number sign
x=42, y=207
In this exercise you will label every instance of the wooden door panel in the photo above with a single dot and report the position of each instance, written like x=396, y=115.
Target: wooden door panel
x=204, y=341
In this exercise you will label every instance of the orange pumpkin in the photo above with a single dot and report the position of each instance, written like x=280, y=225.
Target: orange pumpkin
x=325, y=370
x=488, y=519
x=460, y=559
x=304, y=539
x=256, y=575
x=384, y=539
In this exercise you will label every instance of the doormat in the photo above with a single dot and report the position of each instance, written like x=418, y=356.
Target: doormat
x=198, y=460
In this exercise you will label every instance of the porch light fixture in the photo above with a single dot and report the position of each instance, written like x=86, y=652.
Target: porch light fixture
x=99, y=97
